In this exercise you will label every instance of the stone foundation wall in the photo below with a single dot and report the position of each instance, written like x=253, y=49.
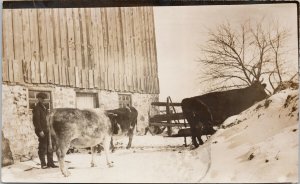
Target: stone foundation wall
x=63, y=97
x=108, y=100
x=17, y=123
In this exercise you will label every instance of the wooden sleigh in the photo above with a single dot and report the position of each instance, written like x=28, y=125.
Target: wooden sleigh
x=170, y=118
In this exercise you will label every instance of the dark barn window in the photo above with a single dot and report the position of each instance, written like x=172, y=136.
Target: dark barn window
x=124, y=100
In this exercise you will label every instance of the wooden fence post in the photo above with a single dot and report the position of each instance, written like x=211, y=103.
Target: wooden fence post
x=169, y=129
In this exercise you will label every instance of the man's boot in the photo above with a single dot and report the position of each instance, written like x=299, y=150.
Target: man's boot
x=42, y=159
x=50, y=162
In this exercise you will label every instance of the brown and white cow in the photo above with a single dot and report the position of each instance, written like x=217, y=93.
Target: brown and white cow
x=81, y=129
x=123, y=122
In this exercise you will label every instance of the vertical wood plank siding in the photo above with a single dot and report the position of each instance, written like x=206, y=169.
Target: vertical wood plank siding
x=102, y=48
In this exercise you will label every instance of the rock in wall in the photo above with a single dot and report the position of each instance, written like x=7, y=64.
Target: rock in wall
x=7, y=158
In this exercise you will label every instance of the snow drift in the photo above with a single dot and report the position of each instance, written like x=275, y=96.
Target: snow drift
x=258, y=145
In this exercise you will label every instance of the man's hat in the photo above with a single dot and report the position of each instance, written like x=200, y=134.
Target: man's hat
x=41, y=95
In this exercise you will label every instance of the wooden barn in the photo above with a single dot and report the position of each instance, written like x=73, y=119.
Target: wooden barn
x=101, y=57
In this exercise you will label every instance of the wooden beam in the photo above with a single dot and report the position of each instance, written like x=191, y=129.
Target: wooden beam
x=84, y=44
x=134, y=49
x=10, y=70
x=90, y=61
x=72, y=76
x=77, y=77
x=110, y=58
x=122, y=20
x=18, y=34
x=57, y=34
x=26, y=34
x=96, y=76
x=42, y=29
x=77, y=31
x=120, y=48
x=43, y=72
x=84, y=78
x=67, y=76
x=165, y=103
x=169, y=124
x=35, y=72
x=5, y=76
x=64, y=75
x=57, y=75
x=18, y=71
x=94, y=40
x=104, y=64
x=166, y=117
x=50, y=35
x=129, y=48
x=50, y=73
x=115, y=48
x=7, y=35
x=26, y=71
x=100, y=34
x=91, y=78
x=34, y=35
x=63, y=37
x=71, y=37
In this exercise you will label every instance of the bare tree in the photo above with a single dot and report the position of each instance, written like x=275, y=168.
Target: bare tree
x=277, y=38
x=234, y=58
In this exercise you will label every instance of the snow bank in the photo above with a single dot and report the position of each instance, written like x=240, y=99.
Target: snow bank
x=259, y=145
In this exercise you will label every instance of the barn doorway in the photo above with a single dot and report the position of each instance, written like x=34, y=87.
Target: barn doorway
x=86, y=100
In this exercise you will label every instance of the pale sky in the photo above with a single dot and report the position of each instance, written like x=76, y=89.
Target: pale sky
x=181, y=30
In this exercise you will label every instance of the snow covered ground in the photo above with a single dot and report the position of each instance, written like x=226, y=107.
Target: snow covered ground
x=259, y=145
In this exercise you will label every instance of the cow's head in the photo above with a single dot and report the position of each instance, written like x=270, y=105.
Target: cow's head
x=113, y=119
x=258, y=90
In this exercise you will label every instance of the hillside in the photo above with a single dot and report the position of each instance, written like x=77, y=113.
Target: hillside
x=259, y=145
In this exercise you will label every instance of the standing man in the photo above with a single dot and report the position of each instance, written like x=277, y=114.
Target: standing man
x=40, y=123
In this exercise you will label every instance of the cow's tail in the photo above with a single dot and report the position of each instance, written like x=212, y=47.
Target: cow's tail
x=136, y=125
x=135, y=120
x=50, y=129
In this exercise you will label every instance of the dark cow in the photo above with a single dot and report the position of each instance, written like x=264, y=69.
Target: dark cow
x=123, y=122
x=78, y=128
x=212, y=109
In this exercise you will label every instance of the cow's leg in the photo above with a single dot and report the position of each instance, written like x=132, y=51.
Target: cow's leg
x=130, y=134
x=199, y=130
x=190, y=117
x=194, y=136
x=106, y=144
x=61, y=152
x=146, y=130
x=112, y=147
x=93, y=150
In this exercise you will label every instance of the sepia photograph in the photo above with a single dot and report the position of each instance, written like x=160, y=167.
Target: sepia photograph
x=146, y=92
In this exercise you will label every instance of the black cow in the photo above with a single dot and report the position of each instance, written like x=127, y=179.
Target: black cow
x=123, y=122
x=212, y=109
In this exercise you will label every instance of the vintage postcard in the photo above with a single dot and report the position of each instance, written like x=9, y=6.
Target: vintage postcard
x=155, y=91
